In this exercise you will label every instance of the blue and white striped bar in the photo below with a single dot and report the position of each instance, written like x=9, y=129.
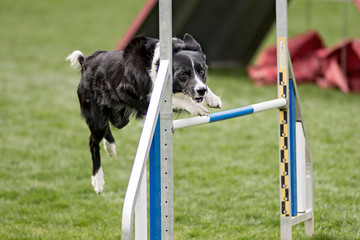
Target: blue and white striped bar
x=233, y=113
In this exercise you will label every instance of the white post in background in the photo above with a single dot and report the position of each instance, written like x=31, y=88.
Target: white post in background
x=300, y=167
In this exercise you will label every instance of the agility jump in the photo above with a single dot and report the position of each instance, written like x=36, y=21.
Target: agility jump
x=295, y=163
x=224, y=115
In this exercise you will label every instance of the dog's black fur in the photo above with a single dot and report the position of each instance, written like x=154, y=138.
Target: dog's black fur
x=116, y=84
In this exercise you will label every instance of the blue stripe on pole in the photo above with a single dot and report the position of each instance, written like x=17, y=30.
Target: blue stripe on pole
x=292, y=132
x=155, y=184
x=219, y=116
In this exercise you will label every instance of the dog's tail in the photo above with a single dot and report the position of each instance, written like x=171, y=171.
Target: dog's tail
x=76, y=59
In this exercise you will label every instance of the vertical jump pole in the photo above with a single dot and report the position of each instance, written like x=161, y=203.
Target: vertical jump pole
x=161, y=156
x=289, y=145
x=283, y=92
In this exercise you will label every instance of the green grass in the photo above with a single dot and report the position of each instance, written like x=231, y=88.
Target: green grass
x=226, y=180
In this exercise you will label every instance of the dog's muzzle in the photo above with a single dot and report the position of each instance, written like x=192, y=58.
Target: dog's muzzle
x=200, y=92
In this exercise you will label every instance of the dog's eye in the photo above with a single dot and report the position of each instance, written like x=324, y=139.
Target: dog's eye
x=183, y=75
x=202, y=72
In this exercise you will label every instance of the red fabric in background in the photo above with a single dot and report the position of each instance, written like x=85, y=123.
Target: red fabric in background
x=357, y=3
x=312, y=62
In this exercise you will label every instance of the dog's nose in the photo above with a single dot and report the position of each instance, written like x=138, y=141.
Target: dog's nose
x=201, y=91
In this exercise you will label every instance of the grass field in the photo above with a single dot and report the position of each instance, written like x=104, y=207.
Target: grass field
x=226, y=179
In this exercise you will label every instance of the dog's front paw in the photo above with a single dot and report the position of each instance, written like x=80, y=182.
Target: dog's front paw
x=198, y=109
x=98, y=181
x=184, y=102
x=213, y=101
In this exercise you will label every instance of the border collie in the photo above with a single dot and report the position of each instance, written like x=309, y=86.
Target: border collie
x=117, y=84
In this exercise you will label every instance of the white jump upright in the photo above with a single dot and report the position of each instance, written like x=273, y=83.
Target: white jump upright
x=135, y=198
x=135, y=203
x=295, y=164
x=294, y=147
x=161, y=154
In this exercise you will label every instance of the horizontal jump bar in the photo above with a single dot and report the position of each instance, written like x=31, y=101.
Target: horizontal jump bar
x=233, y=113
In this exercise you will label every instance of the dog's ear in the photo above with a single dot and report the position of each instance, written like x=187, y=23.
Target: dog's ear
x=136, y=47
x=178, y=45
x=136, y=55
x=191, y=43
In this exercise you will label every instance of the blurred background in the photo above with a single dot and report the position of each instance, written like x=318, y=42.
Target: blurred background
x=226, y=174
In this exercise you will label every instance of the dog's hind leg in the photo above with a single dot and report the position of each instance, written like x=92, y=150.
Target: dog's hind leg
x=109, y=143
x=97, y=119
x=97, y=178
x=98, y=127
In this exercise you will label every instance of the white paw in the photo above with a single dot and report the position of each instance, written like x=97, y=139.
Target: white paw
x=110, y=148
x=212, y=100
x=197, y=109
x=184, y=102
x=98, y=181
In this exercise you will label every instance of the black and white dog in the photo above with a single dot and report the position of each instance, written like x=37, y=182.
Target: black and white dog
x=116, y=84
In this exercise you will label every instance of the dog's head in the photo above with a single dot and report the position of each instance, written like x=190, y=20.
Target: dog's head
x=189, y=68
